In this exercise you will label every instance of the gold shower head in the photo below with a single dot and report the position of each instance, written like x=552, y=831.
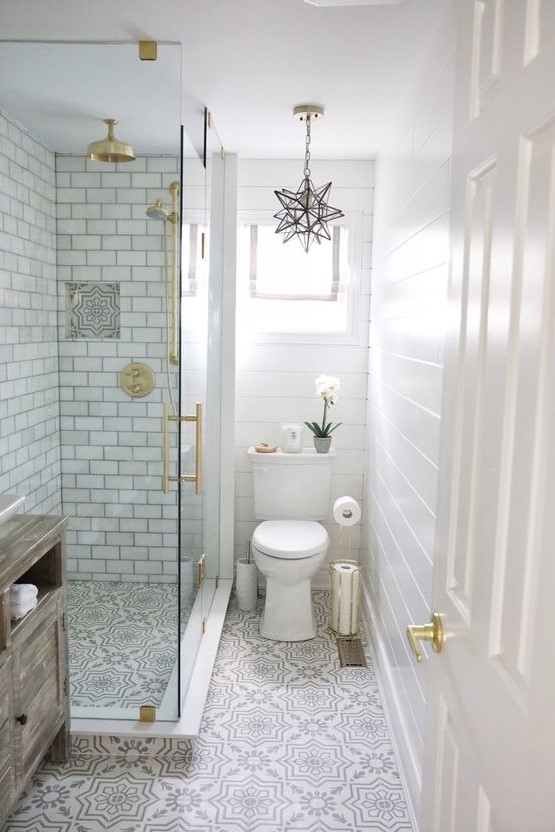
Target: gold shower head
x=110, y=149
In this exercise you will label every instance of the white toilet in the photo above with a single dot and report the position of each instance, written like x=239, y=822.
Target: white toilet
x=291, y=492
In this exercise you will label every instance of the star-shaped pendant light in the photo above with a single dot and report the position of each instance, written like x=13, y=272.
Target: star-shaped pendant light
x=305, y=212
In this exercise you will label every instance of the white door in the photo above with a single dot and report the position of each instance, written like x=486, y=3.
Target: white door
x=490, y=752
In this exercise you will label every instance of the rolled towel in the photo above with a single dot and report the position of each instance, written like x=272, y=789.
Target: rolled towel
x=20, y=592
x=18, y=609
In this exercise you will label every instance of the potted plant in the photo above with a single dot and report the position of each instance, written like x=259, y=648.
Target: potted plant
x=327, y=387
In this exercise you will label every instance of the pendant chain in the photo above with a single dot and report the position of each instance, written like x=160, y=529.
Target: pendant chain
x=307, y=151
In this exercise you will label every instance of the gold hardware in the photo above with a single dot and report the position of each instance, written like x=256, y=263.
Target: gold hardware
x=174, y=219
x=110, y=149
x=147, y=713
x=426, y=632
x=200, y=570
x=137, y=380
x=167, y=417
x=148, y=50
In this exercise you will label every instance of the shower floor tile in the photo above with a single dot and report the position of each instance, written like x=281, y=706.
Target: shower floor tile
x=289, y=741
x=122, y=642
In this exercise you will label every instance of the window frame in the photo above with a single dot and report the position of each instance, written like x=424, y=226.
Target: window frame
x=353, y=221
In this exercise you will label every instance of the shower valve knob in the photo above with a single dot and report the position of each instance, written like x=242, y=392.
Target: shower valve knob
x=137, y=380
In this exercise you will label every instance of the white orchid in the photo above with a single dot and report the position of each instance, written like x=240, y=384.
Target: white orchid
x=328, y=388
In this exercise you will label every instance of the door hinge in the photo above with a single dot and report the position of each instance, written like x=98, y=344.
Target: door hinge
x=222, y=152
x=63, y=621
x=203, y=626
x=65, y=687
x=217, y=581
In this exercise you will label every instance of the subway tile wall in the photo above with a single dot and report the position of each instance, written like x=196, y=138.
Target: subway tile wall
x=275, y=381
x=29, y=398
x=123, y=527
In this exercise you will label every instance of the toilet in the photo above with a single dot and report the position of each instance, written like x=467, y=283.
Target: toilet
x=292, y=492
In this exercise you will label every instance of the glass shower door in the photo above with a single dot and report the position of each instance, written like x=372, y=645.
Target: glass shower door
x=195, y=594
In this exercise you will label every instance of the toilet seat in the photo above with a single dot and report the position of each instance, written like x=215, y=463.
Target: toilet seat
x=290, y=539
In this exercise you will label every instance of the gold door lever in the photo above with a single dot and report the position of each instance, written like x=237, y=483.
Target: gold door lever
x=426, y=632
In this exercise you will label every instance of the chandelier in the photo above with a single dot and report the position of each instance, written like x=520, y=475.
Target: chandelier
x=305, y=212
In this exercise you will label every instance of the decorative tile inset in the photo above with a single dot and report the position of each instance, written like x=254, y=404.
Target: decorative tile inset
x=303, y=747
x=92, y=310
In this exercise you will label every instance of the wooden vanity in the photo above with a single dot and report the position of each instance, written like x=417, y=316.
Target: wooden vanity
x=34, y=704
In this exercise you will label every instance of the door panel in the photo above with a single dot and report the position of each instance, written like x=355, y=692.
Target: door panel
x=490, y=746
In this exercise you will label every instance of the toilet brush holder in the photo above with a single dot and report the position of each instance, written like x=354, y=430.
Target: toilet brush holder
x=246, y=585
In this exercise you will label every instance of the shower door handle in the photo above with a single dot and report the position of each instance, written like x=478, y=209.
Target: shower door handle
x=167, y=417
x=197, y=476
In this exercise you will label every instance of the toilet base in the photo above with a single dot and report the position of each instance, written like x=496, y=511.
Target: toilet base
x=288, y=614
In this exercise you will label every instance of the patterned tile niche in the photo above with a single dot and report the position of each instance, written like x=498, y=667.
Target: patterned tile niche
x=92, y=310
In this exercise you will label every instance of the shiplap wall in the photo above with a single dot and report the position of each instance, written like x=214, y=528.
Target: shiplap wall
x=405, y=383
x=275, y=381
x=29, y=395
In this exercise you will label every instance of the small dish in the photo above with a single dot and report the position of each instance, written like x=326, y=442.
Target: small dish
x=264, y=448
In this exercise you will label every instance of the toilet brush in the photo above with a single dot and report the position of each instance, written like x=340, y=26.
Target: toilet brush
x=246, y=582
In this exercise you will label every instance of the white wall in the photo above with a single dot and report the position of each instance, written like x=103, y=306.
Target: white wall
x=29, y=396
x=275, y=381
x=405, y=384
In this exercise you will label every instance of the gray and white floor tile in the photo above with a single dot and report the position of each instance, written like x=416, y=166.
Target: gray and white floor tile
x=122, y=642
x=289, y=741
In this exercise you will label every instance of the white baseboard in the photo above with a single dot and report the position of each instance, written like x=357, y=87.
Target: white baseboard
x=408, y=765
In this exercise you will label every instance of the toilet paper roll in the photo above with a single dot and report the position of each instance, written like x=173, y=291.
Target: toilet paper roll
x=345, y=598
x=346, y=511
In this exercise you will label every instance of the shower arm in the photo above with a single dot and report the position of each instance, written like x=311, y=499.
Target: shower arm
x=174, y=219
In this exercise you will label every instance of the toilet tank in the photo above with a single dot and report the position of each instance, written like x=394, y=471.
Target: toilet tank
x=291, y=486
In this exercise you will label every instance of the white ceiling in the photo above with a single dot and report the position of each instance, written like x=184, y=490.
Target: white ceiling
x=249, y=61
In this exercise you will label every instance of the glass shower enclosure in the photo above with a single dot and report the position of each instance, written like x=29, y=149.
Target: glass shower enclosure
x=128, y=291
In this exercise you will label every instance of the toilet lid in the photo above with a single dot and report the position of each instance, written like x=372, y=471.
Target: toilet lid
x=290, y=538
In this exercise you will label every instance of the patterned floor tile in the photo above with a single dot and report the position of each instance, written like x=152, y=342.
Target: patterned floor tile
x=290, y=742
x=122, y=642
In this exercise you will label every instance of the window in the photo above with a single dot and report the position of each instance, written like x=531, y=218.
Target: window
x=283, y=291
x=194, y=270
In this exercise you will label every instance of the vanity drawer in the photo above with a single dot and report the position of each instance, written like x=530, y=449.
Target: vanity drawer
x=40, y=689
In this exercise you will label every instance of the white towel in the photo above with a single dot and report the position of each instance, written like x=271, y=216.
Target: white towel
x=20, y=592
x=18, y=609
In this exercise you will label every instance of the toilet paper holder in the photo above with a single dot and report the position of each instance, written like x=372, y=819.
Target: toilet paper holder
x=344, y=602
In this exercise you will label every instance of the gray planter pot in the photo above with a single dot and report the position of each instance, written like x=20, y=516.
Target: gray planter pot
x=322, y=444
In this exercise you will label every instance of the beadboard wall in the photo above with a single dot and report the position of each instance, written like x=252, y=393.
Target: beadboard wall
x=275, y=380
x=29, y=399
x=405, y=384
x=123, y=527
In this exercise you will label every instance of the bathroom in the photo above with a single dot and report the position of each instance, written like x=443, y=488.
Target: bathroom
x=388, y=354
x=272, y=382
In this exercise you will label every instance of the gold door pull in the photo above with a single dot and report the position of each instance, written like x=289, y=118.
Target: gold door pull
x=426, y=632
x=167, y=417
